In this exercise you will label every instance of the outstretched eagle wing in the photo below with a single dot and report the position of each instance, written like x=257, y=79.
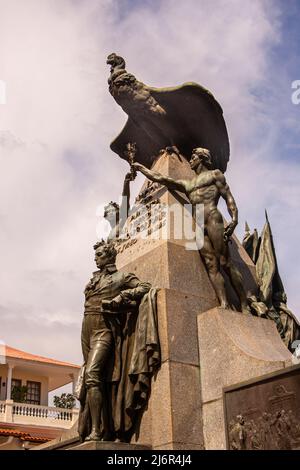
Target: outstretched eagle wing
x=193, y=119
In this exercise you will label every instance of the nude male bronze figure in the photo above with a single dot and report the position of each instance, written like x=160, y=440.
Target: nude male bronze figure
x=206, y=187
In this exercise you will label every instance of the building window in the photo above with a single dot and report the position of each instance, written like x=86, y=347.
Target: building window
x=15, y=383
x=33, y=395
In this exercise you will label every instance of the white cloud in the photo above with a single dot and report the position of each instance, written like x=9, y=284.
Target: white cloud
x=59, y=120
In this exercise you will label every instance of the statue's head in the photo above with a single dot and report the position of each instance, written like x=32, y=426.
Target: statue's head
x=114, y=60
x=105, y=253
x=240, y=419
x=200, y=156
x=111, y=213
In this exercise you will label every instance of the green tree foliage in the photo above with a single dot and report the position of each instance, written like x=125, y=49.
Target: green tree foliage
x=66, y=400
x=18, y=393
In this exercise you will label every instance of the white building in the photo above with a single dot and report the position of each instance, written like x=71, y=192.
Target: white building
x=33, y=418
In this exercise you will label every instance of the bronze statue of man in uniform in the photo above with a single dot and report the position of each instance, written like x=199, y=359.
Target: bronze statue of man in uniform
x=110, y=297
x=206, y=188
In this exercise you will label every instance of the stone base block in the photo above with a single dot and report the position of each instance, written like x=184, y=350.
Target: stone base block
x=111, y=446
x=233, y=347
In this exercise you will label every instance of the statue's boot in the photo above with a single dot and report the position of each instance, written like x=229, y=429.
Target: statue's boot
x=108, y=433
x=94, y=436
x=95, y=400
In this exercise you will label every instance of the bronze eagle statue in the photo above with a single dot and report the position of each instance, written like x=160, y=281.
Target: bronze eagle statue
x=186, y=116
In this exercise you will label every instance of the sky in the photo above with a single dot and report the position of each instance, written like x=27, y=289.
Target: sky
x=59, y=119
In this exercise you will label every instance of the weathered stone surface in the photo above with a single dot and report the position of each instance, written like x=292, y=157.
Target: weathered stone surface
x=158, y=428
x=179, y=446
x=145, y=428
x=75, y=444
x=175, y=408
x=170, y=266
x=177, y=320
x=113, y=446
x=134, y=248
x=234, y=347
x=186, y=404
x=213, y=425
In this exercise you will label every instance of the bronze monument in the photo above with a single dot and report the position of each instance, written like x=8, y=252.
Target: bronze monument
x=179, y=366
x=120, y=348
x=178, y=139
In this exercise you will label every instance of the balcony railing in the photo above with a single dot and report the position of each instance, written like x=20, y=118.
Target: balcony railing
x=23, y=413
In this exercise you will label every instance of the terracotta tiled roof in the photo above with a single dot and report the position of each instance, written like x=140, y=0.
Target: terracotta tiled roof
x=17, y=353
x=44, y=432
x=23, y=436
x=12, y=432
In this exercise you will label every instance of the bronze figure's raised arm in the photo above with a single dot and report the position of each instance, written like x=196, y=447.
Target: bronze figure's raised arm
x=170, y=183
x=206, y=188
x=117, y=215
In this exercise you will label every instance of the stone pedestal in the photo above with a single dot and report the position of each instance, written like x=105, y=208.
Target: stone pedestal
x=173, y=419
x=73, y=443
x=233, y=347
x=107, y=446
